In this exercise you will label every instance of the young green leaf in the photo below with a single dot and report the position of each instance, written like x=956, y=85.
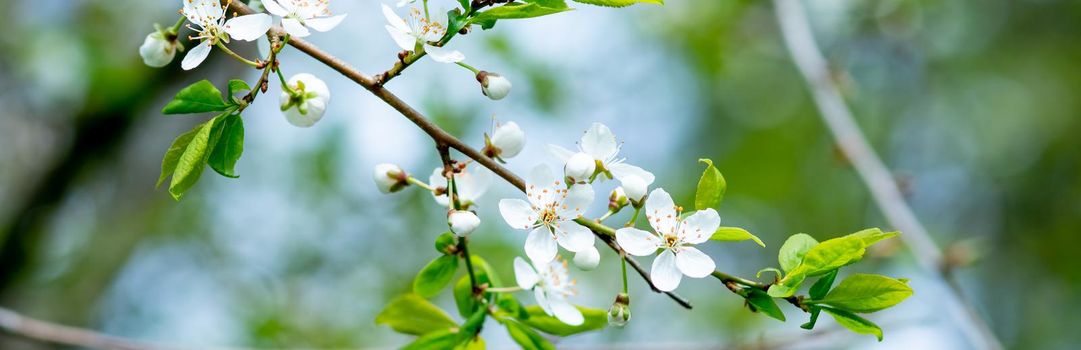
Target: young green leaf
x=526, y=337
x=793, y=250
x=866, y=293
x=412, y=314
x=554, y=4
x=516, y=11
x=439, y=339
x=472, y=326
x=508, y=303
x=854, y=323
x=815, y=311
x=594, y=319
x=229, y=147
x=463, y=291
x=172, y=156
x=446, y=243
x=822, y=286
x=873, y=235
x=711, y=187
x=237, y=86
x=762, y=302
x=436, y=275
x=735, y=234
x=618, y=3
x=196, y=98
x=787, y=286
x=830, y=255
x=192, y=161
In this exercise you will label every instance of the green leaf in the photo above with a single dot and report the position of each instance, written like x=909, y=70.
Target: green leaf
x=526, y=337
x=412, y=314
x=192, y=161
x=711, y=187
x=866, y=293
x=762, y=302
x=594, y=319
x=618, y=3
x=829, y=255
x=436, y=275
x=439, y=339
x=735, y=234
x=793, y=250
x=172, y=156
x=815, y=311
x=238, y=86
x=508, y=303
x=787, y=286
x=463, y=291
x=446, y=243
x=854, y=323
x=554, y=4
x=822, y=286
x=516, y=11
x=230, y=146
x=873, y=235
x=472, y=326
x=455, y=21
x=196, y=98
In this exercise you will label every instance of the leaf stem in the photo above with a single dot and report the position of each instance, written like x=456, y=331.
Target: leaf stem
x=504, y=289
x=466, y=66
x=236, y=56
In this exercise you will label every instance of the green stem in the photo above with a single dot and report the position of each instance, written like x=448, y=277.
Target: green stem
x=285, y=84
x=623, y=262
x=634, y=218
x=470, y=68
x=419, y=183
x=724, y=277
x=426, y=16
x=504, y=289
x=606, y=215
x=463, y=245
x=176, y=27
x=236, y=56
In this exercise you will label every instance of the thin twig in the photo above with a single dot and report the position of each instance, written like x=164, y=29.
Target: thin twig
x=434, y=131
x=801, y=44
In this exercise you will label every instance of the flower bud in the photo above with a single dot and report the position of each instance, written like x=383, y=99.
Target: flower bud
x=635, y=187
x=580, y=167
x=389, y=178
x=493, y=85
x=620, y=313
x=587, y=259
x=307, y=101
x=446, y=243
x=158, y=49
x=617, y=200
x=507, y=141
x=462, y=222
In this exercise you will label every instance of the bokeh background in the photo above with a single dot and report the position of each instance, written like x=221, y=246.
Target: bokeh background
x=973, y=103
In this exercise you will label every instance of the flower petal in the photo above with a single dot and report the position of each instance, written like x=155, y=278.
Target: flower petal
x=700, y=226
x=248, y=27
x=402, y=39
x=637, y=242
x=694, y=263
x=665, y=274
x=578, y=199
x=517, y=213
x=324, y=24
x=524, y=274
x=395, y=21
x=621, y=170
x=294, y=27
x=541, y=177
x=196, y=55
x=542, y=300
x=574, y=237
x=275, y=8
x=437, y=180
x=566, y=312
x=443, y=55
x=661, y=212
x=473, y=182
x=561, y=153
x=540, y=246
x=600, y=142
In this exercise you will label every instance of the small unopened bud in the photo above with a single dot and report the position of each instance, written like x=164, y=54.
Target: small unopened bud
x=389, y=178
x=493, y=85
x=462, y=222
x=580, y=167
x=307, y=101
x=617, y=200
x=635, y=187
x=507, y=141
x=159, y=49
x=620, y=313
x=587, y=259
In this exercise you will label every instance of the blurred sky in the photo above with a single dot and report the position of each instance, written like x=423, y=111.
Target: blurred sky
x=971, y=102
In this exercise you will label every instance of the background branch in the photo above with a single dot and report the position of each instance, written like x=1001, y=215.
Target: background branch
x=798, y=37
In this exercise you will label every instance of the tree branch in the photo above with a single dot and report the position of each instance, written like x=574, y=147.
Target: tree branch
x=798, y=37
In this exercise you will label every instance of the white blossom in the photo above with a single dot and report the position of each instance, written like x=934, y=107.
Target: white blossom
x=580, y=167
x=420, y=30
x=549, y=214
x=600, y=144
x=300, y=15
x=157, y=50
x=472, y=183
x=551, y=285
x=208, y=17
x=507, y=140
x=587, y=259
x=389, y=177
x=462, y=222
x=675, y=237
x=307, y=102
x=493, y=85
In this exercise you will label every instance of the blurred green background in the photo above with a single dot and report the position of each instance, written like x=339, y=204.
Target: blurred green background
x=973, y=103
